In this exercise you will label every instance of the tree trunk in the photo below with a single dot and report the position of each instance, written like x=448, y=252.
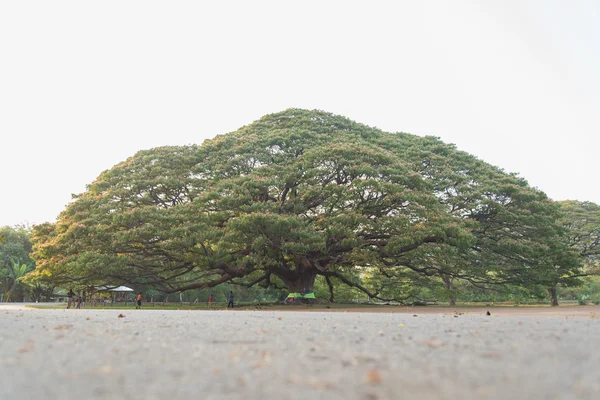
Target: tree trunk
x=553, y=296
x=301, y=279
x=452, y=301
x=300, y=283
x=49, y=293
x=448, y=285
x=331, y=295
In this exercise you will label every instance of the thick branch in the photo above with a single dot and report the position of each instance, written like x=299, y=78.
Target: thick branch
x=254, y=282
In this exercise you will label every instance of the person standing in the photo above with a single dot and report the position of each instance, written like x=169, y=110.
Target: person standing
x=230, y=299
x=70, y=298
x=139, y=301
x=211, y=299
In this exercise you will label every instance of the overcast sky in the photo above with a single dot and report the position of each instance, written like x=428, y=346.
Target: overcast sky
x=84, y=85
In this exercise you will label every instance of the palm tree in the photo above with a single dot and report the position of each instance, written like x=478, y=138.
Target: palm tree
x=14, y=278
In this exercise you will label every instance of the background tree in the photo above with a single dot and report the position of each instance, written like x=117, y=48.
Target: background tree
x=581, y=223
x=15, y=261
x=14, y=280
x=301, y=194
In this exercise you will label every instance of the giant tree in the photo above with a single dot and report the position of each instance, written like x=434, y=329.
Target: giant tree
x=296, y=195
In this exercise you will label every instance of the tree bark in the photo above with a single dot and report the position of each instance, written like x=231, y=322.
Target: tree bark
x=553, y=296
x=303, y=282
x=448, y=285
x=301, y=279
x=330, y=285
x=49, y=293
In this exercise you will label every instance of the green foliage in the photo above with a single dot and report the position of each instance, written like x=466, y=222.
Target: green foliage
x=582, y=223
x=15, y=262
x=589, y=289
x=304, y=194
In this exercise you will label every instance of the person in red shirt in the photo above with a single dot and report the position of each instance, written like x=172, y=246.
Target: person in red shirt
x=211, y=299
x=139, y=301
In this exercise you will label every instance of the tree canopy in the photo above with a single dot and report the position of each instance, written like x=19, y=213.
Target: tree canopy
x=581, y=219
x=300, y=194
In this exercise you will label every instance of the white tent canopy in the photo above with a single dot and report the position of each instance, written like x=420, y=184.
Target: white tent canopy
x=114, y=289
x=116, y=293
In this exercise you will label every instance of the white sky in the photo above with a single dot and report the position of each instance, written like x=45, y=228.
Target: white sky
x=84, y=85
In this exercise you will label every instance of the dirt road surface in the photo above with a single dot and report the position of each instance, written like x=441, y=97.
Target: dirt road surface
x=407, y=353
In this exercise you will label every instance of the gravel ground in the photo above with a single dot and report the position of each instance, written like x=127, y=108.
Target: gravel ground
x=151, y=354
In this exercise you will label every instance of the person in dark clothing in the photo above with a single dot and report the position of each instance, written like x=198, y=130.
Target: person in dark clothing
x=70, y=298
x=230, y=299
